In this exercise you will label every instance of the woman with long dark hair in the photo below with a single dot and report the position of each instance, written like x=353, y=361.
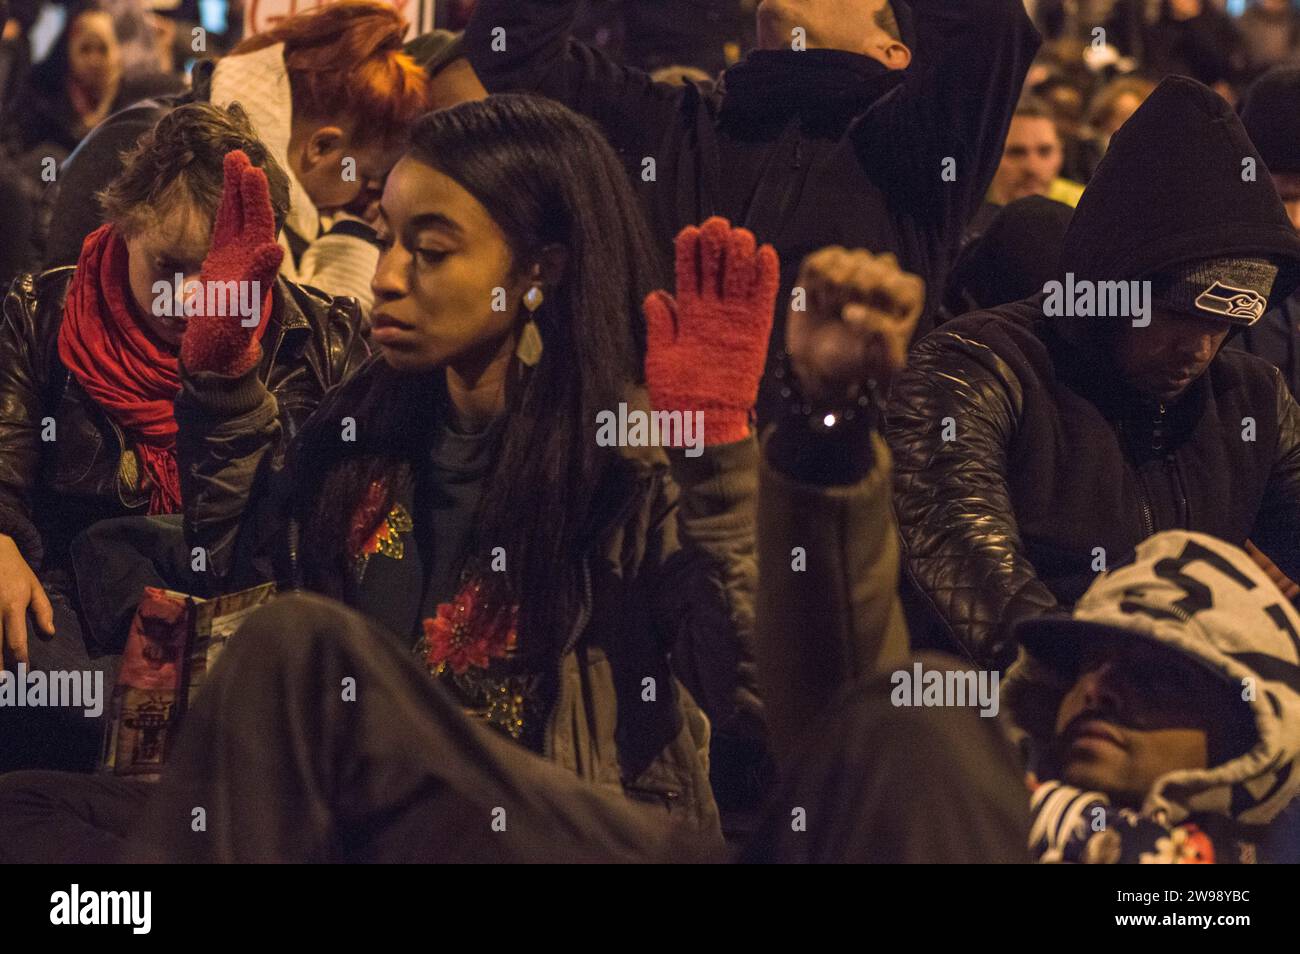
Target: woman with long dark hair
x=472, y=490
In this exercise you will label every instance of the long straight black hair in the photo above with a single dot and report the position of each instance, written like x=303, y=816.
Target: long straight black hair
x=545, y=175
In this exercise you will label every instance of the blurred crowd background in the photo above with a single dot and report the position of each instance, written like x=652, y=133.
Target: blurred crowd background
x=64, y=67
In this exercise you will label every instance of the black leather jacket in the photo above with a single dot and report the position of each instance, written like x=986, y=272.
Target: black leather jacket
x=1021, y=463
x=64, y=464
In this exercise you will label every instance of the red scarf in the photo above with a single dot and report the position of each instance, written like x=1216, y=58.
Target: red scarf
x=131, y=377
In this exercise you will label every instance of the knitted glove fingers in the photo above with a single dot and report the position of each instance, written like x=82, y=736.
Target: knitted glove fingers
x=714, y=237
x=740, y=266
x=265, y=265
x=230, y=213
x=706, y=347
x=767, y=280
x=660, y=318
x=687, y=263
x=242, y=260
x=245, y=223
x=255, y=205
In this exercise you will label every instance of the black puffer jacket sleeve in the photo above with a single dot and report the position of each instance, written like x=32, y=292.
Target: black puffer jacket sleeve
x=21, y=352
x=227, y=429
x=234, y=438
x=702, y=533
x=1277, y=528
x=962, y=547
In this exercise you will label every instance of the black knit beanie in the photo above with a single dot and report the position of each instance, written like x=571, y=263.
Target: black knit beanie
x=1271, y=115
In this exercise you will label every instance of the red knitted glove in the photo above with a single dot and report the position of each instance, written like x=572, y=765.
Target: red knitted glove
x=706, y=350
x=243, y=250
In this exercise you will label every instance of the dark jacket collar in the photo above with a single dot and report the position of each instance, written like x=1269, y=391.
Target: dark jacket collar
x=1083, y=363
x=825, y=88
x=286, y=323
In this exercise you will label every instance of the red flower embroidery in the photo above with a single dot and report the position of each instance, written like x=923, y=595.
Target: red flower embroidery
x=469, y=631
x=366, y=521
x=386, y=538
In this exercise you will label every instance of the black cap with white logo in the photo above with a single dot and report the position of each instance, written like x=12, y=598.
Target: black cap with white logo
x=1235, y=289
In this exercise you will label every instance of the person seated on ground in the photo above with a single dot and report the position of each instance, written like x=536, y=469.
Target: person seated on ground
x=1031, y=165
x=1271, y=115
x=480, y=503
x=1014, y=258
x=1163, y=714
x=89, y=373
x=848, y=124
x=440, y=787
x=331, y=94
x=1035, y=441
x=460, y=490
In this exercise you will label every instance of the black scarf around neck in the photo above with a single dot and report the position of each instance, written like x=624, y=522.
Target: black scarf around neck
x=827, y=88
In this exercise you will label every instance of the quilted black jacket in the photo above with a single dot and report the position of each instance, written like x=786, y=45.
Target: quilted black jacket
x=1053, y=467
x=1022, y=458
x=50, y=490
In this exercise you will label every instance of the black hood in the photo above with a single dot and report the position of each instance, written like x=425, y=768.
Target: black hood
x=828, y=89
x=1170, y=191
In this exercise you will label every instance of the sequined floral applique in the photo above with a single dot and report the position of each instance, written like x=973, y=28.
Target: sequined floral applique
x=386, y=540
x=462, y=643
x=469, y=631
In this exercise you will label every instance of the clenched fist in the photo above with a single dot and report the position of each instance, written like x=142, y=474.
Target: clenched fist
x=859, y=315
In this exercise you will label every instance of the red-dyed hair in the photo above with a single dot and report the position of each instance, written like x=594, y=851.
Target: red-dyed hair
x=345, y=60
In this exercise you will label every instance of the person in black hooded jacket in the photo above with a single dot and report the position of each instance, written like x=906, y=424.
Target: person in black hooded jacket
x=883, y=133
x=1031, y=449
x=1271, y=114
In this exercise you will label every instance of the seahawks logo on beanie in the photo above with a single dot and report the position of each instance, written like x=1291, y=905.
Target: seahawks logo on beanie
x=1232, y=302
x=1233, y=288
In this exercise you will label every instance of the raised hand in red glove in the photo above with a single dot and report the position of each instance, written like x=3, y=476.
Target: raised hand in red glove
x=243, y=251
x=706, y=350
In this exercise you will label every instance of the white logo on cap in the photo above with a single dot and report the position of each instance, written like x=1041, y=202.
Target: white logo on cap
x=1231, y=301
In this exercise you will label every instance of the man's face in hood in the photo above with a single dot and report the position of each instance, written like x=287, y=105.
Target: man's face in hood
x=1163, y=358
x=866, y=27
x=1135, y=712
x=1031, y=160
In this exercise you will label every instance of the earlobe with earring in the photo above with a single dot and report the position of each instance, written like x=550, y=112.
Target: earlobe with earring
x=529, y=349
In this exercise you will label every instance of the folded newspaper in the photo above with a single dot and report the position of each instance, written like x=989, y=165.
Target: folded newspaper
x=173, y=643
